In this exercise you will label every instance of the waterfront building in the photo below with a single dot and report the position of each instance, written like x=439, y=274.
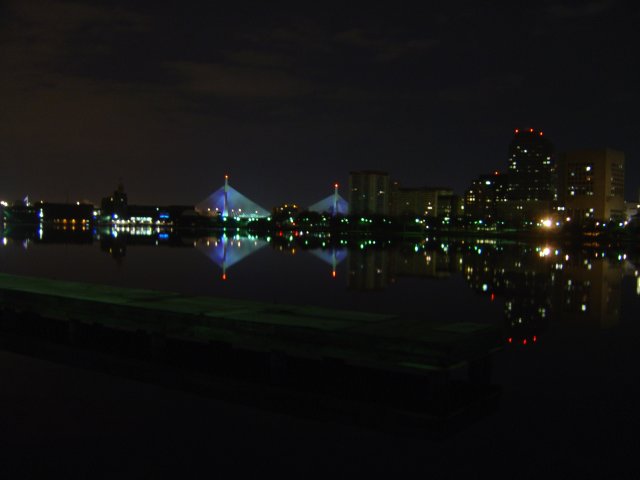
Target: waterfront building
x=531, y=180
x=116, y=205
x=486, y=198
x=633, y=208
x=286, y=210
x=591, y=185
x=46, y=213
x=369, y=192
x=435, y=202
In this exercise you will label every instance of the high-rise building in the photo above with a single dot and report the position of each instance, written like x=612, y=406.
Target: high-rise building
x=435, y=202
x=369, y=193
x=485, y=199
x=531, y=181
x=591, y=184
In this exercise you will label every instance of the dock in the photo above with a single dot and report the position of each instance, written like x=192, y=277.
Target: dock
x=295, y=355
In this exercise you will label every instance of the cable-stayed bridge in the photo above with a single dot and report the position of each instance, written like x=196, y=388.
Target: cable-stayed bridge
x=229, y=202
x=333, y=204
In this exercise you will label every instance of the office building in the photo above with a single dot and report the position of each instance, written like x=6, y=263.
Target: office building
x=486, y=199
x=591, y=185
x=531, y=180
x=369, y=193
x=432, y=202
x=115, y=206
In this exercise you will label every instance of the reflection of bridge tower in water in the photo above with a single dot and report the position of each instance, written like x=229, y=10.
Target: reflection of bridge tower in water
x=227, y=252
x=333, y=257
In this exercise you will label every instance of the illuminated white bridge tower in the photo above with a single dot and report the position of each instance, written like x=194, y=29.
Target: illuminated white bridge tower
x=333, y=204
x=228, y=202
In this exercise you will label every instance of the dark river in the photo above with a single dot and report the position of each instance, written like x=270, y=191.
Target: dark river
x=568, y=369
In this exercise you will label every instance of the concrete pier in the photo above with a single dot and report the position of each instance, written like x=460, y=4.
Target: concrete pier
x=387, y=365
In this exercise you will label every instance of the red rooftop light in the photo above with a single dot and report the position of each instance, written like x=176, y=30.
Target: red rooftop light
x=540, y=133
x=531, y=130
x=517, y=131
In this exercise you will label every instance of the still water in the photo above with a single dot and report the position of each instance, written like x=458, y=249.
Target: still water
x=527, y=288
x=568, y=316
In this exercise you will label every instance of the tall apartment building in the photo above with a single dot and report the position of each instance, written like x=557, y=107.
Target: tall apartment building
x=369, y=193
x=531, y=177
x=422, y=202
x=591, y=184
x=485, y=198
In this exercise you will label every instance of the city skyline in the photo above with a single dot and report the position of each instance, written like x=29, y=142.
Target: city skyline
x=288, y=102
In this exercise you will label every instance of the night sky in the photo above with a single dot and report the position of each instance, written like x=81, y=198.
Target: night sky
x=170, y=98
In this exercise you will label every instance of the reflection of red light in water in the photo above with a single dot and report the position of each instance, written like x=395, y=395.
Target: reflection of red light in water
x=535, y=339
x=224, y=276
x=333, y=274
x=493, y=297
x=280, y=234
x=524, y=342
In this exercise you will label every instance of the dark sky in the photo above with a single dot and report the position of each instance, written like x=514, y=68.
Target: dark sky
x=170, y=98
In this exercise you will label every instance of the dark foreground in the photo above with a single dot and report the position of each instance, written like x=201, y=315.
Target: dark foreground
x=72, y=406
